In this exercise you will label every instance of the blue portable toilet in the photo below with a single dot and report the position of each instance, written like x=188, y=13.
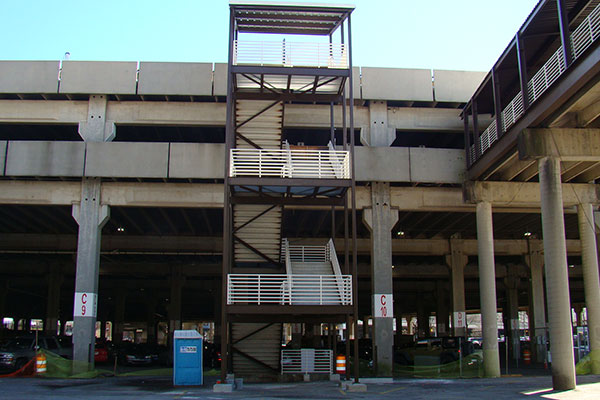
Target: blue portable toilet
x=187, y=358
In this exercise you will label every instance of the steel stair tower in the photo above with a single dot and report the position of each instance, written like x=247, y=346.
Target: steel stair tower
x=266, y=280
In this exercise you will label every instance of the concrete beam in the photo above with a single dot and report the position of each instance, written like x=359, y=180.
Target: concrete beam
x=213, y=114
x=43, y=111
x=565, y=144
x=526, y=194
x=65, y=243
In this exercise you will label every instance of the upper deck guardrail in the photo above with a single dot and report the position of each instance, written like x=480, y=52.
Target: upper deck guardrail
x=290, y=54
x=581, y=38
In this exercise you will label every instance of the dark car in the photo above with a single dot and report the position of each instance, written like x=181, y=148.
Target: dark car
x=16, y=352
x=137, y=354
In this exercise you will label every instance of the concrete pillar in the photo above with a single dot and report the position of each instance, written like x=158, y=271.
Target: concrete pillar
x=151, y=319
x=54, y=279
x=487, y=289
x=380, y=220
x=457, y=262
x=537, y=324
x=577, y=309
x=591, y=280
x=379, y=133
x=91, y=216
x=557, y=279
x=177, y=282
x=96, y=128
x=120, y=302
x=422, y=318
x=511, y=282
x=441, y=314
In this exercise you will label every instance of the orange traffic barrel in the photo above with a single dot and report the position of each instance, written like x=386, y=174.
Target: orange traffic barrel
x=526, y=357
x=40, y=363
x=340, y=365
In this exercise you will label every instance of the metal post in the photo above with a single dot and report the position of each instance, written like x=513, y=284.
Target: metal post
x=497, y=102
x=565, y=37
x=521, y=60
x=467, y=136
x=476, y=138
x=227, y=248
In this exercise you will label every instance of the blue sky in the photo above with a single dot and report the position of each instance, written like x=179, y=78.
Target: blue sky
x=436, y=34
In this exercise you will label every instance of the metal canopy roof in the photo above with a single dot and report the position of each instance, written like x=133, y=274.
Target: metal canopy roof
x=291, y=18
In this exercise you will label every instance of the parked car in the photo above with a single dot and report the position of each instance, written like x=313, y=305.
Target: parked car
x=446, y=348
x=101, y=352
x=16, y=352
x=137, y=354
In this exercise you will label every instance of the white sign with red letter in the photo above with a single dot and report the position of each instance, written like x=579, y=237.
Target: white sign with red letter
x=460, y=319
x=85, y=304
x=383, y=305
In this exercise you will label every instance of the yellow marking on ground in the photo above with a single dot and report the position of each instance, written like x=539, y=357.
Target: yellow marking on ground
x=342, y=391
x=393, y=390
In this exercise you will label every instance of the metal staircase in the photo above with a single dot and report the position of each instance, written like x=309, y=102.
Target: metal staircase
x=256, y=349
x=257, y=233
x=264, y=174
x=258, y=124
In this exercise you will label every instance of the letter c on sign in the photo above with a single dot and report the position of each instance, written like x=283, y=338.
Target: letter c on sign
x=84, y=298
x=383, y=300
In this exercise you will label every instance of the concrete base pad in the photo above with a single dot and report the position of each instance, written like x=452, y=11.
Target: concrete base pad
x=223, y=388
x=376, y=380
x=356, y=387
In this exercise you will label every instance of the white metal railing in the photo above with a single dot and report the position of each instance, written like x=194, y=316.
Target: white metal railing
x=290, y=54
x=285, y=163
x=288, y=289
x=307, y=361
x=310, y=253
x=335, y=265
x=581, y=38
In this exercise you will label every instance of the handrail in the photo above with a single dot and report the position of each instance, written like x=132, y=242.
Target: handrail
x=306, y=253
x=290, y=54
x=336, y=265
x=581, y=38
x=304, y=289
x=286, y=163
x=288, y=269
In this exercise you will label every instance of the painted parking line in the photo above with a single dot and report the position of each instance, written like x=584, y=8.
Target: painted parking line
x=393, y=390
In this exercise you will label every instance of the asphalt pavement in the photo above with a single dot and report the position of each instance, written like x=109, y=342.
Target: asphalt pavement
x=508, y=387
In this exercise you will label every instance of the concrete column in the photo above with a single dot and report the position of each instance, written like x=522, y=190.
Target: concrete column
x=577, y=309
x=511, y=283
x=379, y=133
x=591, y=280
x=557, y=279
x=177, y=282
x=120, y=302
x=487, y=289
x=55, y=279
x=441, y=313
x=96, y=128
x=537, y=324
x=380, y=220
x=422, y=318
x=91, y=216
x=151, y=319
x=457, y=261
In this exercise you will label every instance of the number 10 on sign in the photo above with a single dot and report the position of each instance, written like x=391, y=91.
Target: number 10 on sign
x=383, y=305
